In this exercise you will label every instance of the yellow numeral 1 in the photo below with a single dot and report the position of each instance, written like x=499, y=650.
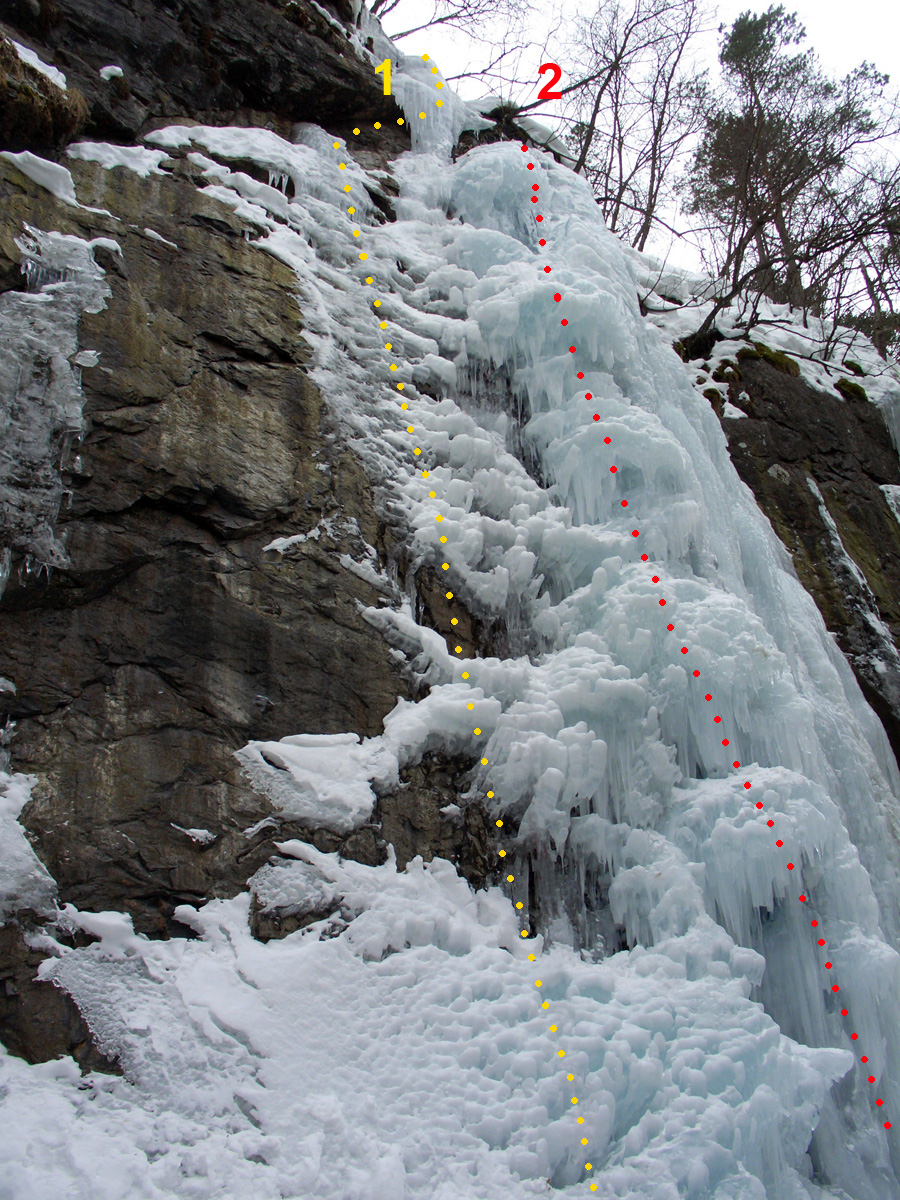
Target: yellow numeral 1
x=386, y=67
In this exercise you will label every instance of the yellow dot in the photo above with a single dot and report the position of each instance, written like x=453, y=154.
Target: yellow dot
x=537, y=983
x=404, y=405
x=455, y=621
x=465, y=674
x=434, y=70
x=584, y=1141
x=524, y=933
x=438, y=85
x=476, y=731
x=347, y=187
x=510, y=879
x=422, y=115
x=443, y=539
x=400, y=387
x=384, y=324
x=356, y=131
x=363, y=255
x=574, y=1099
x=377, y=303
x=439, y=518
x=336, y=145
x=552, y=1027
x=445, y=566
x=546, y=1004
x=449, y=595
x=369, y=280
x=470, y=707
x=393, y=366
x=377, y=124
x=343, y=166
x=388, y=345
x=417, y=450
x=351, y=211
x=519, y=904
x=399, y=120
x=593, y=1187
x=570, y=1078
x=580, y=1120
x=431, y=495
x=410, y=429
x=425, y=59
x=484, y=762
x=490, y=797
x=356, y=233
x=424, y=474
x=503, y=854
x=439, y=103
x=458, y=650
x=497, y=823
x=588, y=1167
x=561, y=1053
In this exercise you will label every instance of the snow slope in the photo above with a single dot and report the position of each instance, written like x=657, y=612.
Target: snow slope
x=414, y=1044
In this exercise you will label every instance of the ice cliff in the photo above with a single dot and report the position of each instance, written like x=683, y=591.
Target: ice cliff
x=695, y=812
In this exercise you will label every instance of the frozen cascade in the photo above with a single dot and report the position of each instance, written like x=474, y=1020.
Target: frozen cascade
x=710, y=1055
x=40, y=387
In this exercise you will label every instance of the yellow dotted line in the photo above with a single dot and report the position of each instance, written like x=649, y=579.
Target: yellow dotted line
x=445, y=566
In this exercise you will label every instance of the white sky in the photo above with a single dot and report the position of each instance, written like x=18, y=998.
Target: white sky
x=842, y=33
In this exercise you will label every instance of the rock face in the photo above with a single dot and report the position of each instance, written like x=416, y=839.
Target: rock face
x=816, y=466
x=220, y=62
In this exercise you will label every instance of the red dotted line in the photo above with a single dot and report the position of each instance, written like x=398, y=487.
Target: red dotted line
x=684, y=650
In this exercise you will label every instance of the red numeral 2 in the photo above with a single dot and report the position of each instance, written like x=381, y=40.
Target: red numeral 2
x=546, y=92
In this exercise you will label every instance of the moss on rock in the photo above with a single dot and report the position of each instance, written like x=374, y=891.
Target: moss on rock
x=850, y=390
x=34, y=112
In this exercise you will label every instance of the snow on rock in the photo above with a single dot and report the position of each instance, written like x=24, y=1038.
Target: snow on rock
x=139, y=159
x=27, y=55
x=25, y=882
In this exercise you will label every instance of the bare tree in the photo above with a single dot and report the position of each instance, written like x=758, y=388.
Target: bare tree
x=470, y=15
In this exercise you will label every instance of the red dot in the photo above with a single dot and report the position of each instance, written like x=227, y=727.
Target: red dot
x=684, y=650
x=546, y=270
x=822, y=943
x=735, y=764
x=580, y=375
x=655, y=579
x=746, y=785
x=542, y=242
x=871, y=1079
x=759, y=804
x=769, y=823
x=534, y=199
x=865, y=1058
x=670, y=628
x=535, y=187
x=718, y=720
x=814, y=923
x=779, y=842
x=879, y=1103
x=571, y=349
x=643, y=556
x=835, y=988
x=696, y=674
x=524, y=148
x=613, y=470
x=557, y=297
x=564, y=321
x=607, y=440
x=790, y=866
x=588, y=396
x=828, y=966
x=531, y=166
x=802, y=899
x=624, y=503
x=596, y=416
x=725, y=741
x=662, y=604
x=539, y=217
x=887, y=1124
x=843, y=1010
x=707, y=696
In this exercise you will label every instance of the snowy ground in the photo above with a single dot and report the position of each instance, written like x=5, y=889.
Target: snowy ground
x=412, y=1052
